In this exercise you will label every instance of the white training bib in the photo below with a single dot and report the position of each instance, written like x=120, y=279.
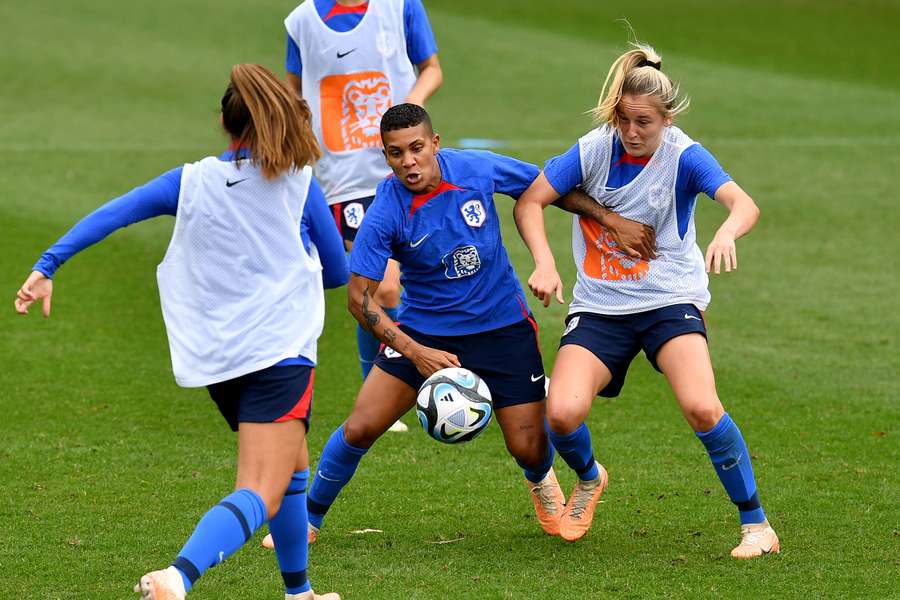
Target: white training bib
x=609, y=281
x=238, y=291
x=349, y=80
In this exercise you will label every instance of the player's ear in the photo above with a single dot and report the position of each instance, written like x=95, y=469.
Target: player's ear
x=436, y=141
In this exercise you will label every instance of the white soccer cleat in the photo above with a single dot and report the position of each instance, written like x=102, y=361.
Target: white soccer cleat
x=311, y=595
x=398, y=427
x=757, y=539
x=165, y=584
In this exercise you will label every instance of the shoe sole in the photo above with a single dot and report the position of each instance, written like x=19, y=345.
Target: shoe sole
x=604, y=480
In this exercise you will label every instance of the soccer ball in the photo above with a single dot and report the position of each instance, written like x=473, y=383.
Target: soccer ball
x=454, y=405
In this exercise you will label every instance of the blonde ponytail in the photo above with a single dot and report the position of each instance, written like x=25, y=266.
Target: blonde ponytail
x=638, y=72
x=270, y=120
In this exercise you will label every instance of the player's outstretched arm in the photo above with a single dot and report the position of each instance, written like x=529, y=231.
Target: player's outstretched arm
x=635, y=239
x=37, y=287
x=360, y=301
x=529, y=214
x=743, y=215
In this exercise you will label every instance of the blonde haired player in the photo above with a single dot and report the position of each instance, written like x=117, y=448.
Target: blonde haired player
x=637, y=163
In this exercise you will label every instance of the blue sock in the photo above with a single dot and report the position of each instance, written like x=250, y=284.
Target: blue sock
x=288, y=530
x=336, y=466
x=368, y=344
x=536, y=473
x=575, y=448
x=731, y=460
x=220, y=533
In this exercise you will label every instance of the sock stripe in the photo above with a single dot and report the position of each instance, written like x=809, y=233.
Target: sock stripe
x=188, y=568
x=586, y=467
x=316, y=507
x=240, y=517
x=748, y=505
x=295, y=579
x=291, y=492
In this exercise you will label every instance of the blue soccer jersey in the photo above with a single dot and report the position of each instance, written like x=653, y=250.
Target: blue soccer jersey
x=457, y=278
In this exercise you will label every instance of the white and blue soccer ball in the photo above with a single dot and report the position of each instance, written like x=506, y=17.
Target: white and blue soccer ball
x=454, y=405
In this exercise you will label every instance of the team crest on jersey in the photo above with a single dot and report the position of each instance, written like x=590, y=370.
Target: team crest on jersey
x=473, y=213
x=659, y=197
x=353, y=214
x=603, y=259
x=571, y=325
x=462, y=262
x=391, y=353
x=352, y=106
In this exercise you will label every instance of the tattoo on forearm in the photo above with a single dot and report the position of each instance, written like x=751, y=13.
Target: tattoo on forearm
x=390, y=335
x=372, y=318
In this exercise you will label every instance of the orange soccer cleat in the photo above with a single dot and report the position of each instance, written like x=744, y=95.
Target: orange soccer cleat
x=549, y=501
x=579, y=512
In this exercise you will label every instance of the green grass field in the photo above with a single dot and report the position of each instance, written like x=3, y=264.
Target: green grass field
x=106, y=465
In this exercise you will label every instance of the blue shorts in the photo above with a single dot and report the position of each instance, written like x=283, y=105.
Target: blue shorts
x=617, y=339
x=508, y=359
x=272, y=395
x=348, y=216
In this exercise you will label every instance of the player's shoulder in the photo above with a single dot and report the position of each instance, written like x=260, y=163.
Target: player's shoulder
x=300, y=10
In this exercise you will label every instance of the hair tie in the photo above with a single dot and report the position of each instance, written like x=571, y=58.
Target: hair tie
x=647, y=63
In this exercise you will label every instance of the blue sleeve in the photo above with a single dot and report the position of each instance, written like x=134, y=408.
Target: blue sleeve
x=511, y=176
x=699, y=171
x=564, y=171
x=292, y=62
x=317, y=226
x=155, y=198
x=375, y=239
x=420, y=42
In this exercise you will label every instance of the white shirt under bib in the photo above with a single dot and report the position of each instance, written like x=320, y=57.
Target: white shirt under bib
x=610, y=282
x=239, y=292
x=349, y=80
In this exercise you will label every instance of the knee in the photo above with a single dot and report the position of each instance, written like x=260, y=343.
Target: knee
x=528, y=450
x=564, y=419
x=388, y=294
x=359, y=433
x=704, y=417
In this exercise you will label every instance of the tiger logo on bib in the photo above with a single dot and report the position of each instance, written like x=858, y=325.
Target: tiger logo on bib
x=604, y=260
x=352, y=107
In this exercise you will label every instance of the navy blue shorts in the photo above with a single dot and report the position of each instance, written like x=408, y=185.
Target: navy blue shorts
x=348, y=216
x=617, y=339
x=272, y=395
x=508, y=359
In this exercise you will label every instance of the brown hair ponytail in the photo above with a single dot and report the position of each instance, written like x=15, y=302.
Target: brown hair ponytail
x=270, y=120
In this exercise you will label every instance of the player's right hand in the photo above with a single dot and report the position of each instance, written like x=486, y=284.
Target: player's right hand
x=36, y=287
x=544, y=283
x=633, y=238
x=428, y=360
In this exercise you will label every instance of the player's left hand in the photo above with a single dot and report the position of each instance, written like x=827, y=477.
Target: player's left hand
x=544, y=283
x=721, y=250
x=36, y=287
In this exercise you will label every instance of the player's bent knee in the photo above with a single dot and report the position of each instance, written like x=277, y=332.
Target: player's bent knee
x=564, y=419
x=359, y=434
x=704, y=417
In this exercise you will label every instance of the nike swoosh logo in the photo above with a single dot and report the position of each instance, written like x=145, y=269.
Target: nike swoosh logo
x=343, y=54
x=421, y=239
x=692, y=317
x=538, y=378
x=231, y=183
x=734, y=464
